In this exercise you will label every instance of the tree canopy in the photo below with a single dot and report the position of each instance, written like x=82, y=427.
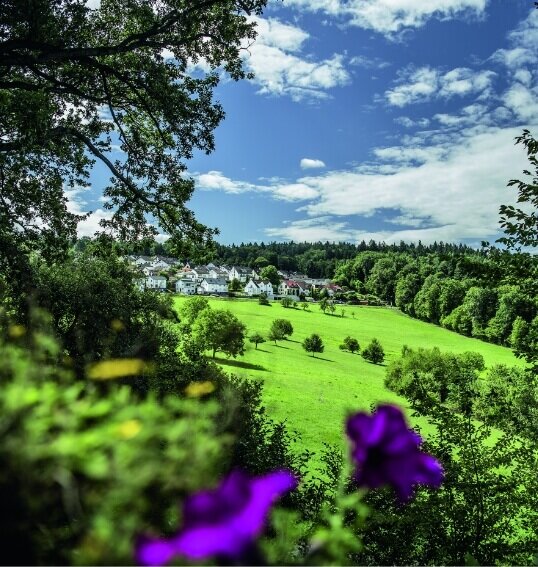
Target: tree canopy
x=116, y=85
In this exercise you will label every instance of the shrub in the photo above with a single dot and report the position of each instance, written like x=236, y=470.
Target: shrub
x=256, y=338
x=350, y=344
x=287, y=302
x=280, y=330
x=374, y=352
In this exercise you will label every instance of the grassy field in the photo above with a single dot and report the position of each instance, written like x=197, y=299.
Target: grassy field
x=314, y=395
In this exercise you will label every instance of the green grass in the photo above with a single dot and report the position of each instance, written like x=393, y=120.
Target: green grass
x=314, y=395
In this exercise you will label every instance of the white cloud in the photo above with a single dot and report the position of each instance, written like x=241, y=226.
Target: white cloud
x=522, y=101
x=369, y=62
x=274, y=33
x=391, y=16
x=409, y=123
x=307, y=163
x=425, y=83
x=280, y=69
x=279, y=189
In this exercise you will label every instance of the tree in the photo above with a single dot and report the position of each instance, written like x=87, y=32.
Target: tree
x=234, y=285
x=220, y=330
x=270, y=273
x=190, y=310
x=350, y=344
x=280, y=330
x=374, y=352
x=313, y=344
x=324, y=304
x=261, y=262
x=256, y=338
x=262, y=299
x=521, y=226
x=305, y=306
x=287, y=302
x=78, y=81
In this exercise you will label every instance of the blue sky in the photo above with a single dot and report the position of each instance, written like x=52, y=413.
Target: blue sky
x=385, y=119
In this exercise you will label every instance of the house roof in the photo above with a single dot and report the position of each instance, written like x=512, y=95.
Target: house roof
x=243, y=270
x=159, y=278
x=215, y=281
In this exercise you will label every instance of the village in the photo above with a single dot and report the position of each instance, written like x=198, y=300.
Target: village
x=164, y=273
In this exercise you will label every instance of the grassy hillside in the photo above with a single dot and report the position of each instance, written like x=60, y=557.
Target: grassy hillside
x=314, y=394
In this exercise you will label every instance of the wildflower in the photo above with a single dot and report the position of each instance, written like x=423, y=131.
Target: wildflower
x=222, y=522
x=386, y=451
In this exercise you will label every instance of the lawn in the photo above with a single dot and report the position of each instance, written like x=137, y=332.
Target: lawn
x=314, y=395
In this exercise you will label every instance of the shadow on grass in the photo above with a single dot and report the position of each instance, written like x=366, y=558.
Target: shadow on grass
x=282, y=346
x=319, y=358
x=239, y=364
x=261, y=350
x=291, y=341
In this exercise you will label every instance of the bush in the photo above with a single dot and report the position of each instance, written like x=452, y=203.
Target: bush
x=256, y=338
x=262, y=299
x=287, y=302
x=350, y=344
x=374, y=352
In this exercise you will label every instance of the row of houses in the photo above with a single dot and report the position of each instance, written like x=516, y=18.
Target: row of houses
x=161, y=273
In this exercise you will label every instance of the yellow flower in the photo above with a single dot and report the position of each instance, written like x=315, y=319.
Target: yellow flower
x=197, y=389
x=16, y=331
x=130, y=428
x=117, y=368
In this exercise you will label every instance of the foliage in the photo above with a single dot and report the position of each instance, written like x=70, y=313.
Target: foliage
x=270, y=273
x=262, y=299
x=521, y=226
x=287, y=302
x=68, y=450
x=190, y=309
x=280, y=330
x=374, y=352
x=77, y=81
x=235, y=285
x=313, y=344
x=350, y=344
x=221, y=331
x=486, y=510
x=256, y=338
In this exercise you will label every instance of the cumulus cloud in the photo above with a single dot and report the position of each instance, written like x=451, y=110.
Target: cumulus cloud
x=307, y=163
x=392, y=16
x=426, y=83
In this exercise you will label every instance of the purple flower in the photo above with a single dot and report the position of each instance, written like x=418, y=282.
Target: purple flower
x=221, y=522
x=386, y=451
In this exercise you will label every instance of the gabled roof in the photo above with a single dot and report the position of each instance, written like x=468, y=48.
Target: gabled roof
x=243, y=270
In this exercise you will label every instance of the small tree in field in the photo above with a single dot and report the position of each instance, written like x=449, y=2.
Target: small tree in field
x=256, y=338
x=287, y=302
x=262, y=299
x=350, y=344
x=305, y=306
x=374, y=352
x=313, y=344
x=280, y=330
x=220, y=330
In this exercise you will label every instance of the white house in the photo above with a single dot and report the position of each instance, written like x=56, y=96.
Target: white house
x=152, y=282
x=239, y=273
x=252, y=288
x=159, y=264
x=266, y=286
x=186, y=286
x=200, y=272
x=217, y=272
x=214, y=285
x=289, y=287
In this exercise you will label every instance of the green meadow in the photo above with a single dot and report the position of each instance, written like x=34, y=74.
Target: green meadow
x=313, y=395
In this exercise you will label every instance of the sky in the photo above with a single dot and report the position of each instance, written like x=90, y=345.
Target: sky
x=369, y=119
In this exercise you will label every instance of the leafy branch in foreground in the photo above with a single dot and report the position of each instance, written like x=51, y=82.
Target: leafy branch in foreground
x=115, y=86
